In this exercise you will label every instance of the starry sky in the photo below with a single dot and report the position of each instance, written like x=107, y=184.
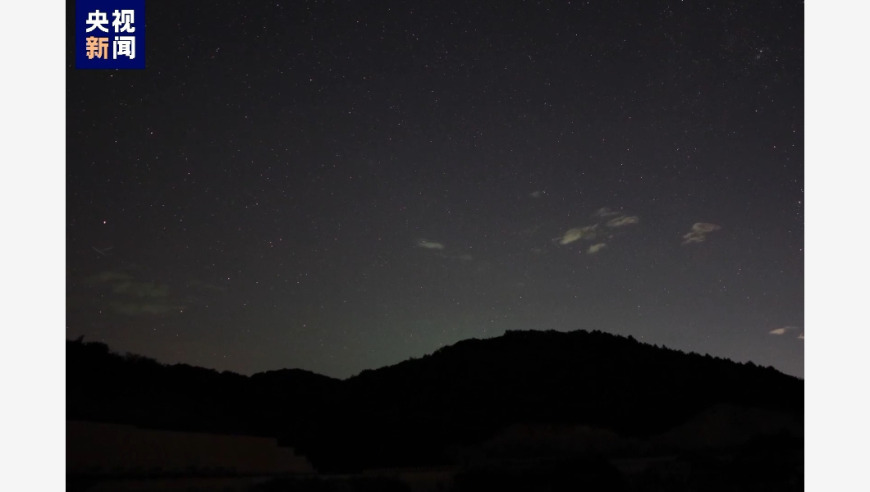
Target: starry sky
x=338, y=186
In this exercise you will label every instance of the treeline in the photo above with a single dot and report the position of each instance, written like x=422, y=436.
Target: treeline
x=130, y=389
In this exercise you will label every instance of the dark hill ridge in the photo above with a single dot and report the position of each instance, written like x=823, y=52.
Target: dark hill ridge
x=428, y=410
x=130, y=389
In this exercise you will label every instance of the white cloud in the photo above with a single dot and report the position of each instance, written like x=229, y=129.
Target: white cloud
x=596, y=248
x=578, y=233
x=623, y=221
x=423, y=243
x=699, y=232
x=782, y=330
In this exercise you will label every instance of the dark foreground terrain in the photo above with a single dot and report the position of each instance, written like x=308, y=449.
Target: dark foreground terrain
x=525, y=411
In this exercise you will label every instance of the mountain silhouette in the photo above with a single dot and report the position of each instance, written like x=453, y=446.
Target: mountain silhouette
x=520, y=393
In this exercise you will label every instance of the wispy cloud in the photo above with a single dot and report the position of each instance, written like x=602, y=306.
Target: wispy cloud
x=130, y=296
x=605, y=212
x=596, y=248
x=699, y=232
x=108, y=277
x=705, y=227
x=426, y=244
x=623, y=221
x=783, y=330
x=578, y=233
x=133, y=308
x=693, y=238
x=205, y=286
x=140, y=289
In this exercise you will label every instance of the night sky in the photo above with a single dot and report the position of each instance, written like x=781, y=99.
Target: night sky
x=338, y=186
